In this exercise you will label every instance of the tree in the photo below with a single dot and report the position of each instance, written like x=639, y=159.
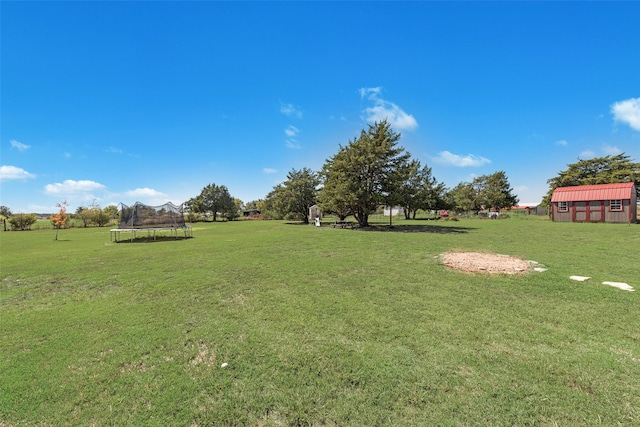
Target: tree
x=213, y=199
x=85, y=215
x=334, y=196
x=486, y=191
x=60, y=219
x=251, y=205
x=296, y=195
x=599, y=170
x=22, y=221
x=112, y=212
x=101, y=217
x=495, y=191
x=93, y=214
x=365, y=173
x=464, y=198
x=273, y=206
x=5, y=213
x=234, y=213
x=420, y=190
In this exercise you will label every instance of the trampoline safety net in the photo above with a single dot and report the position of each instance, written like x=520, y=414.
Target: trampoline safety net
x=143, y=216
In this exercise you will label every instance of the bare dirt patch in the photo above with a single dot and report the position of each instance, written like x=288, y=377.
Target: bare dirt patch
x=478, y=262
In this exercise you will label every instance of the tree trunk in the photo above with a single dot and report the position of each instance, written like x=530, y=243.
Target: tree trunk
x=362, y=218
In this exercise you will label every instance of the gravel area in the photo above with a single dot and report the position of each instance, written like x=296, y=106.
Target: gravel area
x=478, y=262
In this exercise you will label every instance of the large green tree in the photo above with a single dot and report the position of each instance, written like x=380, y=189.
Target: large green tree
x=293, y=197
x=335, y=197
x=464, y=198
x=486, y=191
x=300, y=192
x=366, y=173
x=599, y=170
x=496, y=192
x=213, y=200
x=419, y=190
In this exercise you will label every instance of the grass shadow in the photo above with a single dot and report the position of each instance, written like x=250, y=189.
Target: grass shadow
x=158, y=239
x=438, y=229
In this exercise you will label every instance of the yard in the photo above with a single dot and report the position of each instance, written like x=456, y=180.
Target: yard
x=320, y=326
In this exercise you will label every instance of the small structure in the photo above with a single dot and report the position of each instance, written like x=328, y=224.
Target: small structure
x=152, y=219
x=595, y=203
x=315, y=212
x=392, y=210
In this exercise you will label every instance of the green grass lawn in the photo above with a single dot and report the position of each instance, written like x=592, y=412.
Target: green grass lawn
x=320, y=326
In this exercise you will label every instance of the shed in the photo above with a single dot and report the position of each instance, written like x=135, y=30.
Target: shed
x=595, y=203
x=315, y=212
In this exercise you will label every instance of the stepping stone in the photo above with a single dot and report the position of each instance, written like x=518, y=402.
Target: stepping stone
x=620, y=285
x=579, y=278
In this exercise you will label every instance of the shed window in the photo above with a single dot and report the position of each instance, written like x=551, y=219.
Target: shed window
x=563, y=206
x=615, y=205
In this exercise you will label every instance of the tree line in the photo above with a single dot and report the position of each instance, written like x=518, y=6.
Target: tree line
x=370, y=171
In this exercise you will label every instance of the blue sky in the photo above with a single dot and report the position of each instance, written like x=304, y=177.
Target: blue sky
x=109, y=102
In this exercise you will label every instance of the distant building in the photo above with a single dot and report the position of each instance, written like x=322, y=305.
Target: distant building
x=315, y=212
x=529, y=209
x=595, y=203
x=395, y=210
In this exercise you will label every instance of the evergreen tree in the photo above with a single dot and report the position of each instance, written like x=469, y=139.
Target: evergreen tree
x=599, y=170
x=366, y=173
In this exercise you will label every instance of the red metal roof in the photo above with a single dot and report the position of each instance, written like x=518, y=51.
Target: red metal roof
x=583, y=193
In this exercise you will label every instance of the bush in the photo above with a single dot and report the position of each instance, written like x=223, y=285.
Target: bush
x=22, y=221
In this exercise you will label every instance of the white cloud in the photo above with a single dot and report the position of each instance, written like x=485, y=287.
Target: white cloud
x=19, y=145
x=373, y=92
x=144, y=192
x=562, y=143
x=291, y=131
x=586, y=154
x=114, y=150
x=383, y=109
x=611, y=150
x=448, y=158
x=145, y=195
x=292, y=143
x=67, y=155
x=269, y=171
x=627, y=111
x=14, y=172
x=70, y=187
x=290, y=110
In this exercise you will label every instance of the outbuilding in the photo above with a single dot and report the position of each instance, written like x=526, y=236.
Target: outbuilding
x=595, y=203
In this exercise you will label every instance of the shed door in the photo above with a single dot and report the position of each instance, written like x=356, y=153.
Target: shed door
x=596, y=211
x=580, y=211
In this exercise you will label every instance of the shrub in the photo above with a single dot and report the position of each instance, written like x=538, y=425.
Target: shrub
x=22, y=221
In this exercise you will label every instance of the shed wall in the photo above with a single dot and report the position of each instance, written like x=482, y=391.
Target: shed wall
x=596, y=211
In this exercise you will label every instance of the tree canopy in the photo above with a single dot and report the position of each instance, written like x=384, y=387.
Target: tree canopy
x=419, y=190
x=214, y=200
x=293, y=197
x=599, y=170
x=486, y=191
x=364, y=174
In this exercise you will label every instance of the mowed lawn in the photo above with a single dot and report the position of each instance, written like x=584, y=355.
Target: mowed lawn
x=320, y=326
